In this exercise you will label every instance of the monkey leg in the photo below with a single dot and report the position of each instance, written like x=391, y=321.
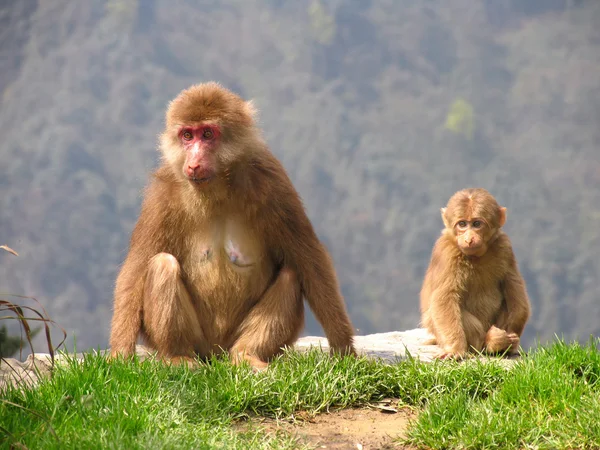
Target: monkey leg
x=427, y=323
x=170, y=321
x=474, y=334
x=274, y=322
x=474, y=331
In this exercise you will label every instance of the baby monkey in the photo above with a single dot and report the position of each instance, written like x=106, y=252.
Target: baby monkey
x=473, y=295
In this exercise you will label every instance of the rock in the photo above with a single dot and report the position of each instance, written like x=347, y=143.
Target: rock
x=38, y=365
x=391, y=347
x=395, y=346
x=25, y=373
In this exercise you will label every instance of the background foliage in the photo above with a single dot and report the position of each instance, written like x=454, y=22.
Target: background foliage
x=378, y=110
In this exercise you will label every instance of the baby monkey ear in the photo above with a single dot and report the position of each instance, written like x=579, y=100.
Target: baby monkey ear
x=501, y=216
x=446, y=223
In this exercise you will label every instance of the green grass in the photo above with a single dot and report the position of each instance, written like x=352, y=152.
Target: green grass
x=550, y=399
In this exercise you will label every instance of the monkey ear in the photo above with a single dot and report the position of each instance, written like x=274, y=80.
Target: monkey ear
x=502, y=216
x=250, y=109
x=443, y=211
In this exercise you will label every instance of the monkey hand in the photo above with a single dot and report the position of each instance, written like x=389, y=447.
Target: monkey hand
x=515, y=341
x=457, y=356
x=346, y=350
x=498, y=340
x=455, y=352
x=116, y=353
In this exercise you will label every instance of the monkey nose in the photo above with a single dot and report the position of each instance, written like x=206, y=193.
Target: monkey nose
x=192, y=169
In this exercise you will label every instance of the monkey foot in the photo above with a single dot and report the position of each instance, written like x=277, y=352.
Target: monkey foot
x=430, y=341
x=257, y=364
x=450, y=355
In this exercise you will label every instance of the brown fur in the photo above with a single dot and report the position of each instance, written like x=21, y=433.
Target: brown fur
x=473, y=295
x=180, y=287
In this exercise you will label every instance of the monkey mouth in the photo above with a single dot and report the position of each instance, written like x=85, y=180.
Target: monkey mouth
x=201, y=180
x=472, y=251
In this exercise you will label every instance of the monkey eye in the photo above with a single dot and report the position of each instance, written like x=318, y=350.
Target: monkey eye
x=187, y=135
x=462, y=224
x=208, y=134
x=477, y=224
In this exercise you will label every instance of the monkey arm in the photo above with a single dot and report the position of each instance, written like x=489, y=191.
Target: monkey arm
x=146, y=241
x=441, y=298
x=294, y=244
x=517, y=301
x=127, y=316
x=304, y=253
x=320, y=287
x=446, y=316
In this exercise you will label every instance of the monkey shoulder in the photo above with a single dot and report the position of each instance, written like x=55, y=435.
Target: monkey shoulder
x=157, y=216
x=446, y=250
x=276, y=207
x=266, y=173
x=502, y=249
x=269, y=187
x=163, y=181
x=445, y=258
x=499, y=259
x=161, y=197
x=503, y=241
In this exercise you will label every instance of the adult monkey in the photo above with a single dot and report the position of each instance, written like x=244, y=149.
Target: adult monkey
x=223, y=252
x=473, y=295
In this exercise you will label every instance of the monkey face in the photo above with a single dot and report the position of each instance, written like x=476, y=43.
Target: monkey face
x=208, y=128
x=473, y=216
x=471, y=236
x=200, y=144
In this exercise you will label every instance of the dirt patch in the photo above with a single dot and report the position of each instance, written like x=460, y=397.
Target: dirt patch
x=362, y=428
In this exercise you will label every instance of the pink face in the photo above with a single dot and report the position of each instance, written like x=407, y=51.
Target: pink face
x=200, y=143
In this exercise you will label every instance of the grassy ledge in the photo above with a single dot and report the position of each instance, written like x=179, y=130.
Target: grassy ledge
x=549, y=399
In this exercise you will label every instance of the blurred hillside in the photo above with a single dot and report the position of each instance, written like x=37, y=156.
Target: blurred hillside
x=378, y=110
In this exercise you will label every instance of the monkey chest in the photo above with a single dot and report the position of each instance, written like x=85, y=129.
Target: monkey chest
x=226, y=244
x=483, y=296
x=226, y=269
x=227, y=262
